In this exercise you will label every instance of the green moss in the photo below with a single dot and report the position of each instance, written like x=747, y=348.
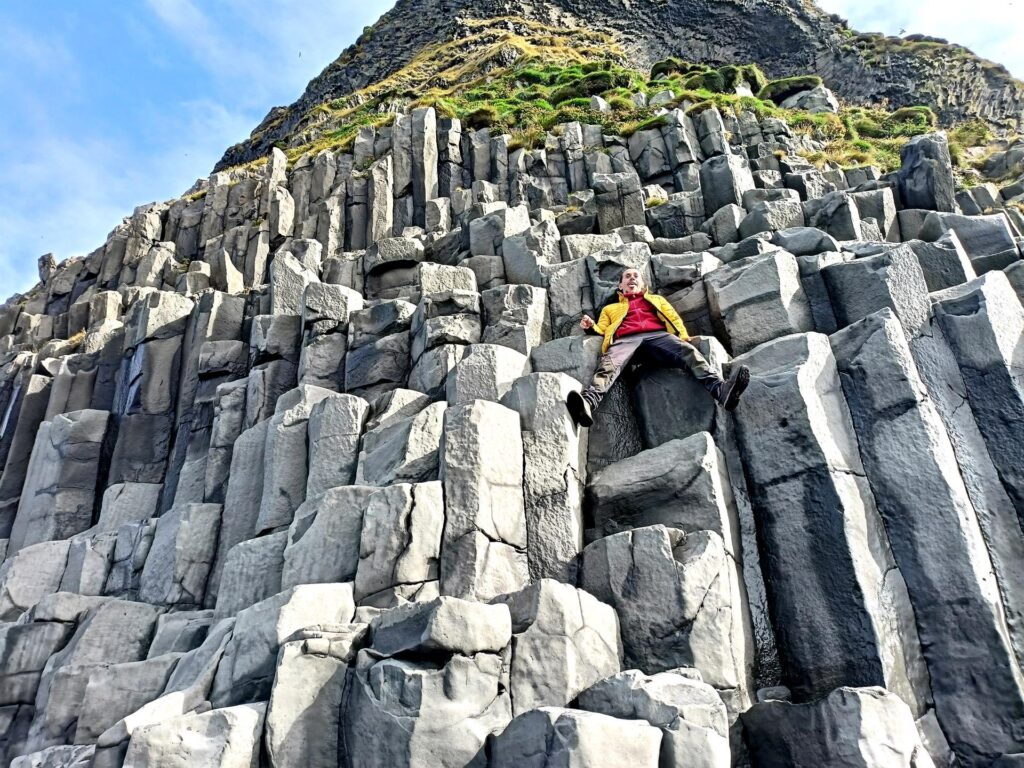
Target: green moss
x=780, y=90
x=482, y=117
x=538, y=94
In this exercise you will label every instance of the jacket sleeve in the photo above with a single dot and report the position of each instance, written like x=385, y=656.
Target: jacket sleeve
x=603, y=321
x=673, y=317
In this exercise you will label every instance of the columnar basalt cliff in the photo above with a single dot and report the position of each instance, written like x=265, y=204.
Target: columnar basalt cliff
x=786, y=37
x=288, y=476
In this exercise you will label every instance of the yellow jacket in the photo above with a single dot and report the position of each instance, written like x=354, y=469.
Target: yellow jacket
x=613, y=315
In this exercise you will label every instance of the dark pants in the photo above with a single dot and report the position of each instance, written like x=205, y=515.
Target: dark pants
x=659, y=348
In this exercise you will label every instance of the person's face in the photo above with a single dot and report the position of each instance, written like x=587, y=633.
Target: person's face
x=631, y=282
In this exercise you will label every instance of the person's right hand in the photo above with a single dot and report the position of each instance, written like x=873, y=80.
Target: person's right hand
x=586, y=322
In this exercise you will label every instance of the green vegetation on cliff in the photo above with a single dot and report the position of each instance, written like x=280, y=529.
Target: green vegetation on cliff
x=551, y=82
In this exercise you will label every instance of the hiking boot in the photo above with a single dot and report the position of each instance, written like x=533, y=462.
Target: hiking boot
x=579, y=409
x=729, y=396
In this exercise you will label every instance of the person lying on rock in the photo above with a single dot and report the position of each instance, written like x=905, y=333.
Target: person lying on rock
x=644, y=326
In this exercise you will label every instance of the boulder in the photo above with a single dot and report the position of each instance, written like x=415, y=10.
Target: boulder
x=552, y=736
x=484, y=545
x=988, y=241
x=925, y=179
x=485, y=373
x=758, y=299
x=402, y=448
x=681, y=603
x=723, y=180
x=681, y=484
x=459, y=701
x=692, y=718
x=850, y=727
x=226, y=738
x=564, y=641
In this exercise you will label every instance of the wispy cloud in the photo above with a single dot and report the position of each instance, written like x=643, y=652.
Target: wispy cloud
x=85, y=139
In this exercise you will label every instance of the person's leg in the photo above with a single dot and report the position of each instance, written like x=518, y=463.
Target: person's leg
x=582, y=406
x=672, y=352
x=609, y=368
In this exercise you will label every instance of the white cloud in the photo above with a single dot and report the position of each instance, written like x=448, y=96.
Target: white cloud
x=990, y=28
x=65, y=183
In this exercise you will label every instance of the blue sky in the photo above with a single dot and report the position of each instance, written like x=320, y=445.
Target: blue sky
x=110, y=105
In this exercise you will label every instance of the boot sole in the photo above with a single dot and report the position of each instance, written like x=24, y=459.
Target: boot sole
x=737, y=385
x=578, y=409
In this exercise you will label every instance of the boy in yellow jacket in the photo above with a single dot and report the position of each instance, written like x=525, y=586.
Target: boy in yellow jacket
x=644, y=324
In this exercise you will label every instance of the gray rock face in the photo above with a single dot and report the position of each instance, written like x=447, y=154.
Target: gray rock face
x=800, y=452
x=554, y=736
x=485, y=536
x=681, y=603
x=689, y=712
x=758, y=299
x=619, y=198
x=926, y=178
x=59, y=494
x=911, y=467
x=564, y=641
x=318, y=457
x=852, y=726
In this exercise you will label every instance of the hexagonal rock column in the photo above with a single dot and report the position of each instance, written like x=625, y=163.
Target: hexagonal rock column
x=58, y=498
x=400, y=544
x=689, y=712
x=554, y=736
x=181, y=556
x=681, y=603
x=984, y=322
x=285, y=463
x=564, y=641
x=758, y=299
x=935, y=539
x=484, y=547
x=555, y=464
x=451, y=652
x=851, y=727
x=304, y=713
x=844, y=616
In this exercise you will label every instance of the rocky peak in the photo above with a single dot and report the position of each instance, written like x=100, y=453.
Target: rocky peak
x=785, y=37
